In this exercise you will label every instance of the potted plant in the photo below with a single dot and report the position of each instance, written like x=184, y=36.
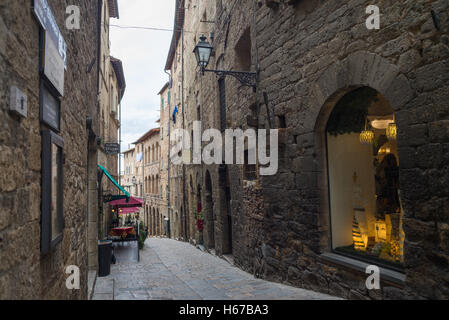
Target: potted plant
x=142, y=235
x=199, y=220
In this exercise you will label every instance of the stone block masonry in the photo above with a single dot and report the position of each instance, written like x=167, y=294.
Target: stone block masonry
x=309, y=55
x=24, y=272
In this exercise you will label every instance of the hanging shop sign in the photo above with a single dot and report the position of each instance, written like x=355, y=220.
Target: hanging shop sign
x=112, y=148
x=50, y=109
x=55, y=51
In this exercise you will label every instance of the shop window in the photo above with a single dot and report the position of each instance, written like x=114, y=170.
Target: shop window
x=52, y=191
x=365, y=206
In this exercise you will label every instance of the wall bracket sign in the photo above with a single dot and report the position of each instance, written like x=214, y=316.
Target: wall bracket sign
x=112, y=148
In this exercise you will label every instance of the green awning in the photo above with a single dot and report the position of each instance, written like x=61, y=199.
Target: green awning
x=126, y=193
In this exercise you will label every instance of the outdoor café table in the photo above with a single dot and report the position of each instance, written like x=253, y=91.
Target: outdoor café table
x=122, y=232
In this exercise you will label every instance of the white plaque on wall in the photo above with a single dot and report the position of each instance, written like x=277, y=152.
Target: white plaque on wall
x=54, y=64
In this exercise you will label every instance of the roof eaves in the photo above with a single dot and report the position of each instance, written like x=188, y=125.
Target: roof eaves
x=178, y=25
x=113, y=9
x=118, y=68
x=163, y=88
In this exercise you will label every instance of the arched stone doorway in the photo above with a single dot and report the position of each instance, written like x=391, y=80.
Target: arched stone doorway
x=153, y=221
x=190, y=209
x=199, y=214
x=161, y=223
x=209, y=217
x=225, y=208
x=147, y=216
x=156, y=224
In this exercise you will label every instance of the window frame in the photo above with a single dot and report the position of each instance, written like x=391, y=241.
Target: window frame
x=49, y=138
x=381, y=263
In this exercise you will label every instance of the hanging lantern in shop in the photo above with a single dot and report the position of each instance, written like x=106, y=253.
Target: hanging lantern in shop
x=392, y=131
x=367, y=136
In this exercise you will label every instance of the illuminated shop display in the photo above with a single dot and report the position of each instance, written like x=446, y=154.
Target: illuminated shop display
x=363, y=171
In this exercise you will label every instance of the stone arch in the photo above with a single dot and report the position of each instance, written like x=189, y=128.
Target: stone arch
x=190, y=209
x=199, y=210
x=153, y=218
x=360, y=69
x=156, y=223
x=209, y=217
x=161, y=219
x=146, y=185
x=226, y=219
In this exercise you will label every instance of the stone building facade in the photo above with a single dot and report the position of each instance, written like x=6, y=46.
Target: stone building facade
x=176, y=120
x=150, y=213
x=25, y=272
x=111, y=90
x=313, y=58
x=143, y=164
x=129, y=163
x=164, y=138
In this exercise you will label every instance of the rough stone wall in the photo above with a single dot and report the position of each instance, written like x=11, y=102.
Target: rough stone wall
x=164, y=143
x=302, y=72
x=152, y=176
x=108, y=121
x=24, y=272
x=310, y=54
x=129, y=164
x=176, y=210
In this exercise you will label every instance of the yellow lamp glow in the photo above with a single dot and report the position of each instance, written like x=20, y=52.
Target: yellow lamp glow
x=367, y=136
x=392, y=131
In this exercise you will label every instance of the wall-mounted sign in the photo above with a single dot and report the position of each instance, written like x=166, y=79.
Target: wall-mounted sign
x=53, y=65
x=50, y=109
x=48, y=22
x=55, y=50
x=112, y=148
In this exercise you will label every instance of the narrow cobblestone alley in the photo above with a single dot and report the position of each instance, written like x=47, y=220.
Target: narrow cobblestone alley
x=173, y=270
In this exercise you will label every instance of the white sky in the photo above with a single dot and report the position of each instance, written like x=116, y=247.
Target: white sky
x=143, y=53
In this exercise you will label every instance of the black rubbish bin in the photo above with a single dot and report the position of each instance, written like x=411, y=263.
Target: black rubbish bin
x=104, y=257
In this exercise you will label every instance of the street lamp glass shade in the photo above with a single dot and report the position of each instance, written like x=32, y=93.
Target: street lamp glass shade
x=134, y=180
x=202, y=52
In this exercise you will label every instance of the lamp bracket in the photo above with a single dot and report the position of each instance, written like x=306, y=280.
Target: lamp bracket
x=248, y=79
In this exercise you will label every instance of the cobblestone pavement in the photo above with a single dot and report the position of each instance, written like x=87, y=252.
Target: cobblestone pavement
x=173, y=270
